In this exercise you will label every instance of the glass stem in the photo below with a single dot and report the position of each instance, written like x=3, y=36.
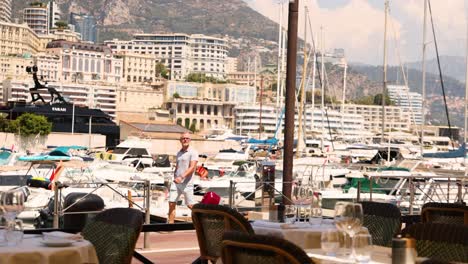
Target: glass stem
x=353, y=249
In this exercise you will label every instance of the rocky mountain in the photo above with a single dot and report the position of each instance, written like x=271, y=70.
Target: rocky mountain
x=454, y=90
x=452, y=66
x=122, y=18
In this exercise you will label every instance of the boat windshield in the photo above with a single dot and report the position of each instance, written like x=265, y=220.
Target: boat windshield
x=120, y=150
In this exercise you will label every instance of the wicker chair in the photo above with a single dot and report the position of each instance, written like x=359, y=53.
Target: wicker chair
x=440, y=242
x=383, y=220
x=448, y=213
x=114, y=233
x=211, y=221
x=238, y=248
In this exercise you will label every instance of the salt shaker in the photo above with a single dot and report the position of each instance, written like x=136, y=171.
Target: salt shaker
x=403, y=250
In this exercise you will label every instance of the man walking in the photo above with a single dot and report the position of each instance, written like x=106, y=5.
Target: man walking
x=186, y=162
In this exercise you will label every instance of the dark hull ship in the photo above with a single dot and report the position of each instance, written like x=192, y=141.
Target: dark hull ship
x=63, y=114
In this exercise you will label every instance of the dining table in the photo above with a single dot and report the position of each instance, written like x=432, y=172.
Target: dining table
x=33, y=249
x=302, y=234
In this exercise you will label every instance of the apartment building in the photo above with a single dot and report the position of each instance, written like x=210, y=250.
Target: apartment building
x=206, y=104
x=84, y=62
x=18, y=39
x=138, y=68
x=396, y=118
x=37, y=18
x=134, y=101
x=410, y=102
x=5, y=10
x=86, y=25
x=182, y=54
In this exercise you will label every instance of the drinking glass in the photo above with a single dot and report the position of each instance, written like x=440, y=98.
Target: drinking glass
x=315, y=210
x=290, y=212
x=14, y=232
x=330, y=241
x=13, y=204
x=349, y=218
x=340, y=223
x=362, y=244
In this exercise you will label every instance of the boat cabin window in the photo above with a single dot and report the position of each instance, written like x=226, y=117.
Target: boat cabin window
x=138, y=152
x=120, y=150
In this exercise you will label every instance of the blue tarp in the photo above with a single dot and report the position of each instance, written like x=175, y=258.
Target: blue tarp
x=270, y=141
x=43, y=158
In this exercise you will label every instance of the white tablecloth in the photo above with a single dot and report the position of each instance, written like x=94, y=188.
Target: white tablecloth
x=31, y=250
x=302, y=234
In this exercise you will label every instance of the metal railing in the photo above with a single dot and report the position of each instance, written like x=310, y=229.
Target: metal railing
x=59, y=211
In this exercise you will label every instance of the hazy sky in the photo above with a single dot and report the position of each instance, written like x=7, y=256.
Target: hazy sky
x=358, y=27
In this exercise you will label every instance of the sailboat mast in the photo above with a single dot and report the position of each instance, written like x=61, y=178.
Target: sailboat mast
x=280, y=44
x=343, y=101
x=466, y=103
x=384, y=90
x=322, y=95
x=301, y=104
x=314, y=67
x=423, y=78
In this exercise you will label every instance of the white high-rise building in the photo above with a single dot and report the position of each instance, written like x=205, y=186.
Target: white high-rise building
x=5, y=10
x=182, y=54
x=41, y=17
x=54, y=13
x=37, y=18
x=410, y=102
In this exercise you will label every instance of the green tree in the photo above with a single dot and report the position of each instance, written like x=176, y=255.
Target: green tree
x=3, y=124
x=61, y=24
x=30, y=124
x=36, y=4
x=378, y=99
x=179, y=121
x=176, y=95
x=161, y=70
x=193, y=127
x=366, y=100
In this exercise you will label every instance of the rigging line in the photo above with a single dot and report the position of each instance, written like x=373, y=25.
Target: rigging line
x=320, y=82
x=440, y=74
x=405, y=78
x=326, y=110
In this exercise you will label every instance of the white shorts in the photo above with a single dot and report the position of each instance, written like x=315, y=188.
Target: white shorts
x=181, y=188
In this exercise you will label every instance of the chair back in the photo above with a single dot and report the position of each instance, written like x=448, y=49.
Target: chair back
x=114, y=233
x=260, y=249
x=440, y=242
x=211, y=221
x=449, y=213
x=383, y=220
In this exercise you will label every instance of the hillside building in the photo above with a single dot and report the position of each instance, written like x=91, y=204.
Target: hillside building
x=5, y=10
x=18, y=39
x=396, y=118
x=37, y=18
x=182, y=54
x=86, y=25
x=410, y=102
x=84, y=62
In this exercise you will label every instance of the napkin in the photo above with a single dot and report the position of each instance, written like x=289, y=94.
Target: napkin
x=60, y=234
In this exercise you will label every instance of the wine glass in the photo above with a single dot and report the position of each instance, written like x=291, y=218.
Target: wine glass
x=13, y=203
x=349, y=218
x=14, y=234
x=290, y=212
x=362, y=244
x=315, y=209
x=330, y=241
